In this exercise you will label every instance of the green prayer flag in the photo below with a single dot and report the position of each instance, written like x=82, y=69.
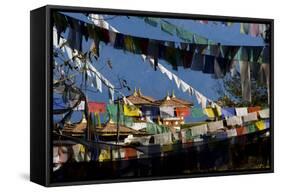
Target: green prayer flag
x=184, y=35
x=168, y=28
x=151, y=21
x=153, y=128
x=188, y=134
x=197, y=113
x=200, y=40
x=251, y=128
x=112, y=115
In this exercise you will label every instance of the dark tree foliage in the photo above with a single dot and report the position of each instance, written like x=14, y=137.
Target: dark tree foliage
x=231, y=93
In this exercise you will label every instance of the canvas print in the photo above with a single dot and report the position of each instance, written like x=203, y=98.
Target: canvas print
x=151, y=97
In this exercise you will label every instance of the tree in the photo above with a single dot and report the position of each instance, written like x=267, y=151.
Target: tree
x=231, y=92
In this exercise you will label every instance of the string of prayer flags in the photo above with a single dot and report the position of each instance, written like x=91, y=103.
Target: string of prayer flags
x=133, y=44
x=168, y=50
x=170, y=28
x=185, y=87
x=96, y=107
x=106, y=34
x=202, y=100
x=165, y=71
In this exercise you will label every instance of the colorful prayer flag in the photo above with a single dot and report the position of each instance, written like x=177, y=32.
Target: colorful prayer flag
x=264, y=113
x=254, y=109
x=260, y=125
x=228, y=112
x=197, y=112
x=132, y=111
x=182, y=111
x=209, y=112
x=251, y=128
x=241, y=130
x=96, y=107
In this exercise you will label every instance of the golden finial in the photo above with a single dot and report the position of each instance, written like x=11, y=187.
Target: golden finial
x=168, y=96
x=139, y=92
x=135, y=92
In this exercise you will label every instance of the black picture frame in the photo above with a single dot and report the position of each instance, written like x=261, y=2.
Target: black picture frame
x=41, y=91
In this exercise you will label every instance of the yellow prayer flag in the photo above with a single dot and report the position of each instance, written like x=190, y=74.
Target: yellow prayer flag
x=82, y=149
x=210, y=112
x=104, y=155
x=260, y=125
x=218, y=110
x=131, y=111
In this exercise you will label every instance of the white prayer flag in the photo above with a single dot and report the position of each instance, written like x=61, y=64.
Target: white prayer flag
x=264, y=113
x=241, y=111
x=250, y=117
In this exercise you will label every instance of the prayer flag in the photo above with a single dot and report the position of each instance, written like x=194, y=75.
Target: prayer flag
x=96, y=107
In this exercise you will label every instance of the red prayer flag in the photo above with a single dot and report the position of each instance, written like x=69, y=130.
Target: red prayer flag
x=241, y=130
x=254, y=109
x=130, y=153
x=96, y=107
x=182, y=111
